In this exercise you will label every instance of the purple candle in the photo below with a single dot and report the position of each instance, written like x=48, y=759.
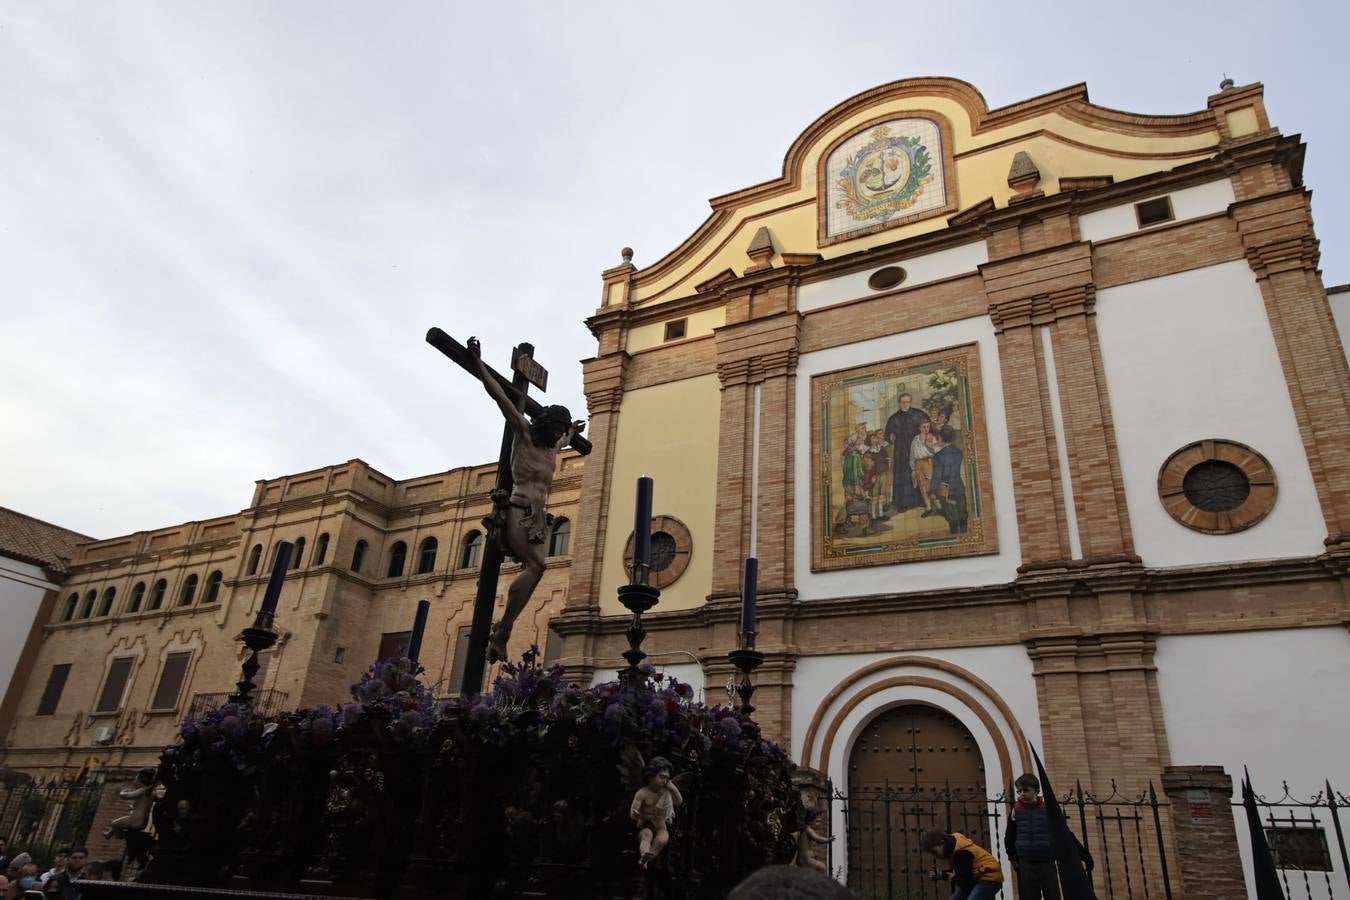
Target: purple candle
x=642, y=531
x=419, y=626
x=273, y=594
x=749, y=585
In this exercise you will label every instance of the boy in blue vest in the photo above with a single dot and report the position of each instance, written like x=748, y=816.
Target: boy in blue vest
x=1031, y=846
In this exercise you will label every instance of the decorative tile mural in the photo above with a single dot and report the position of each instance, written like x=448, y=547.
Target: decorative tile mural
x=884, y=173
x=899, y=465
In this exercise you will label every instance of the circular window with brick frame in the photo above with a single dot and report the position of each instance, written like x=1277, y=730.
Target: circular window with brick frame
x=672, y=545
x=1217, y=486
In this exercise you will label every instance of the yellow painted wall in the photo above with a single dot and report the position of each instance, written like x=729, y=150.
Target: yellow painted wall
x=670, y=432
x=978, y=175
x=700, y=324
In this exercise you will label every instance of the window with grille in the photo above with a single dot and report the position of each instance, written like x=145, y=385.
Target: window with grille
x=51, y=694
x=397, y=557
x=212, y=588
x=473, y=550
x=1299, y=846
x=461, y=657
x=171, y=681
x=559, y=541
x=394, y=644
x=115, y=685
x=426, y=557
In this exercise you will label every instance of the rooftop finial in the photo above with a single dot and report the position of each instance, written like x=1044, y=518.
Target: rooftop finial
x=1227, y=82
x=627, y=254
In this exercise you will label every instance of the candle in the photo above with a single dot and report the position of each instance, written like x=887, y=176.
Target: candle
x=419, y=626
x=642, y=531
x=273, y=593
x=749, y=585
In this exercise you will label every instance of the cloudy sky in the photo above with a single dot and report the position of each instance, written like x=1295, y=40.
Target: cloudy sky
x=226, y=227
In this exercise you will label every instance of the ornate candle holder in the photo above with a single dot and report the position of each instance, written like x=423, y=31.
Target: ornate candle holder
x=258, y=638
x=637, y=599
x=746, y=659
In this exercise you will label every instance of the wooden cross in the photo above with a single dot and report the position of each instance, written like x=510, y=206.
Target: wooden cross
x=525, y=372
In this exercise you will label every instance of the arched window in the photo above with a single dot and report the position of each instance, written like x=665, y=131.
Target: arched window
x=426, y=557
x=561, y=539
x=276, y=551
x=106, y=606
x=298, y=554
x=321, y=549
x=189, y=591
x=157, y=594
x=254, y=558
x=71, y=602
x=137, y=594
x=473, y=550
x=358, y=555
x=87, y=609
x=212, y=588
x=397, y=556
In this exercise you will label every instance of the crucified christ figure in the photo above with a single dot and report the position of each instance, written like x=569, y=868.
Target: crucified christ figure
x=521, y=522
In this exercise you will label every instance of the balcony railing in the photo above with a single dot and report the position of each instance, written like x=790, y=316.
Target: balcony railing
x=267, y=702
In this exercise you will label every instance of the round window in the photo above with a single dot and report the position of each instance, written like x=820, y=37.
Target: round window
x=672, y=545
x=1217, y=486
x=885, y=278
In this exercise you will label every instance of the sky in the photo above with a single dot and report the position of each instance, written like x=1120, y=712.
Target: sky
x=226, y=227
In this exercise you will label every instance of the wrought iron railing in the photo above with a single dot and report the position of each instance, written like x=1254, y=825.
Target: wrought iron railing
x=267, y=702
x=881, y=854
x=39, y=816
x=1307, y=841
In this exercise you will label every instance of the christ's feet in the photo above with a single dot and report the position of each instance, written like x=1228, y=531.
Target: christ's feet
x=497, y=638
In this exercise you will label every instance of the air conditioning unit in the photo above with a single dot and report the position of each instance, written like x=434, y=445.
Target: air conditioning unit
x=103, y=736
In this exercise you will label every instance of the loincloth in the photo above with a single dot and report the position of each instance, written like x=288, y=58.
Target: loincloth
x=537, y=523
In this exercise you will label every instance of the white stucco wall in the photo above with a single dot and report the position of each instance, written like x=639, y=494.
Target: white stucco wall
x=1339, y=297
x=21, y=588
x=691, y=673
x=1191, y=356
x=1187, y=203
x=918, y=270
x=912, y=576
x=1277, y=702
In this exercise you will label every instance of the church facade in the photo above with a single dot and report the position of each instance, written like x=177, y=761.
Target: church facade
x=1035, y=420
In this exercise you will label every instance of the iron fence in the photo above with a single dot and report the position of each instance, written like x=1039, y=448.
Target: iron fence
x=881, y=855
x=39, y=816
x=1306, y=840
x=268, y=702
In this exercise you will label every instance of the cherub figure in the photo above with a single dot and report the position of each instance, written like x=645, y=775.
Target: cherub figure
x=654, y=808
x=521, y=522
x=142, y=798
x=806, y=839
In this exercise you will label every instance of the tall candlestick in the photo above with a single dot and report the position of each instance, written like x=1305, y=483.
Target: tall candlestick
x=642, y=531
x=269, y=604
x=419, y=626
x=749, y=587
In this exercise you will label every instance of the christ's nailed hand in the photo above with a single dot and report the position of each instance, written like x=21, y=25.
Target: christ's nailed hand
x=474, y=347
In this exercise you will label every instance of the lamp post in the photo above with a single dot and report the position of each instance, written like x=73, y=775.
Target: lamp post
x=745, y=657
x=260, y=636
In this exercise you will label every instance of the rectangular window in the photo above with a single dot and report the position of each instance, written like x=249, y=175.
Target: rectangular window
x=51, y=694
x=552, y=647
x=115, y=686
x=1299, y=847
x=1152, y=212
x=171, y=681
x=675, y=329
x=461, y=657
x=394, y=644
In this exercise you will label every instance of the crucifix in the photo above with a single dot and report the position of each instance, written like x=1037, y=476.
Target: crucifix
x=519, y=524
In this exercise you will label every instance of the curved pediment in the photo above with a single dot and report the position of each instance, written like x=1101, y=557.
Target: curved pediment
x=902, y=159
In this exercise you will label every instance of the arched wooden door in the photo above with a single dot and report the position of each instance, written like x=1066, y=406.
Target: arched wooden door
x=915, y=767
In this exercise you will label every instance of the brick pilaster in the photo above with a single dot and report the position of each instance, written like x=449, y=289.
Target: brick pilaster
x=1207, y=864
x=604, y=385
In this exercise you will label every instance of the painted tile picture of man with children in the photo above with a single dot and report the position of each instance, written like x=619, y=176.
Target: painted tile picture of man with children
x=899, y=464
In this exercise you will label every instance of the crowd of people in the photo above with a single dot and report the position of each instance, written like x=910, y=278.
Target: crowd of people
x=23, y=880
